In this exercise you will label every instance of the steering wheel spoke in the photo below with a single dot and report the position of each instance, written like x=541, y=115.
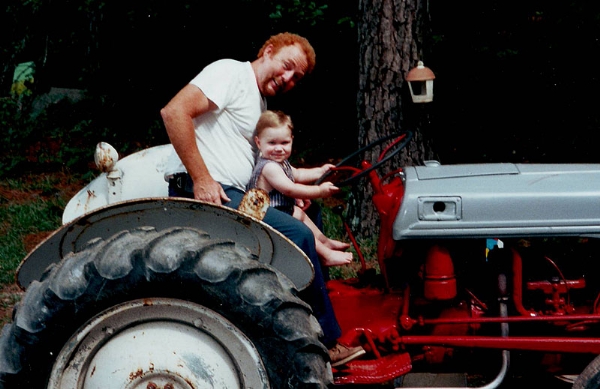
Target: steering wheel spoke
x=345, y=174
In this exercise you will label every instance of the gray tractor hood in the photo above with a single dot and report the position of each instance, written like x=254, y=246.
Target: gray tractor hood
x=499, y=200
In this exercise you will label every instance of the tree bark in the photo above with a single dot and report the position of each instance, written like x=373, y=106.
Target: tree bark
x=391, y=35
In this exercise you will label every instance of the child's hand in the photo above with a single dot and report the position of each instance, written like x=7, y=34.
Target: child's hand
x=327, y=189
x=327, y=167
x=303, y=204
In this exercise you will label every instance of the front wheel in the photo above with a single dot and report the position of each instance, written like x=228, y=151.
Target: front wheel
x=171, y=308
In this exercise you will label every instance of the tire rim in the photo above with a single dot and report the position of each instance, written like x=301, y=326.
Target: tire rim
x=158, y=344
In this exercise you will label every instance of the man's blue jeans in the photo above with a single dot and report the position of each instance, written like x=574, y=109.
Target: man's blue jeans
x=316, y=293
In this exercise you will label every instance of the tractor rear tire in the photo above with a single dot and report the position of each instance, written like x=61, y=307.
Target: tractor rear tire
x=218, y=280
x=590, y=376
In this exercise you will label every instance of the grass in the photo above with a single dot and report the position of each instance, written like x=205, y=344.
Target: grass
x=28, y=206
x=334, y=228
x=34, y=204
x=19, y=221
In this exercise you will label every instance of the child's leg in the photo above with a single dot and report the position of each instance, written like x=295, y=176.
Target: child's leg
x=329, y=250
x=300, y=215
x=319, y=236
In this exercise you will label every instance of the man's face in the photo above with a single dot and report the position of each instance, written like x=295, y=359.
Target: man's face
x=281, y=71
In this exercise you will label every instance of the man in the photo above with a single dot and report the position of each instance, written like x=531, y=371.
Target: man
x=211, y=123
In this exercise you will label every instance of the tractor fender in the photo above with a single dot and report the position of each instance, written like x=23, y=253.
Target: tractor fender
x=265, y=243
x=138, y=175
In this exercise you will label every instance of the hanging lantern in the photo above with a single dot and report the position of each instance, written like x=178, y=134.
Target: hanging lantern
x=420, y=83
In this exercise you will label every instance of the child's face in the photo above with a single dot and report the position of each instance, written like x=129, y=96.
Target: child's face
x=275, y=143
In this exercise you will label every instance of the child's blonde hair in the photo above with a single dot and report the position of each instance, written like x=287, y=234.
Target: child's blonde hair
x=273, y=119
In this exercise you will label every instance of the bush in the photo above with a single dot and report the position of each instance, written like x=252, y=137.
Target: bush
x=63, y=134
x=15, y=130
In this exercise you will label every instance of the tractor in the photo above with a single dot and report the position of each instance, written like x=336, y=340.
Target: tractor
x=481, y=268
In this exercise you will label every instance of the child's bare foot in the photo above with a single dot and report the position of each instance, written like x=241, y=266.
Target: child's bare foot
x=336, y=258
x=337, y=245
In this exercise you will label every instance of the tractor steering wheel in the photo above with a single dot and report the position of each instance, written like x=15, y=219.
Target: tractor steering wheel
x=344, y=174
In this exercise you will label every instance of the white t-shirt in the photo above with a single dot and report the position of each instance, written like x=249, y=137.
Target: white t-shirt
x=225, y=136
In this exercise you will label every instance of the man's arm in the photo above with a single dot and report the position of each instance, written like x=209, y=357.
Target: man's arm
x=177, y=116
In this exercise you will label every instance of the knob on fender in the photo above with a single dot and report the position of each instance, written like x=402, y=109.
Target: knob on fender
x=105, y=157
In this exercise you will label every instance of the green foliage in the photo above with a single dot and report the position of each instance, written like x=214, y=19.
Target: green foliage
x=132, y=57
x=14, y=128
x=46, y=136
x=312, y=13
x=346, y=20
x=63, y=134
x=333, y=228
x=368, y=248
x=304, y=12
x=18, y=31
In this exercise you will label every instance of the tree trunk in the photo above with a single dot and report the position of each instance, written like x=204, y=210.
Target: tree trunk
x=390, y=35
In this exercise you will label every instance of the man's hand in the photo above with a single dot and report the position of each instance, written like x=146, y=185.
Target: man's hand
x=209, y=190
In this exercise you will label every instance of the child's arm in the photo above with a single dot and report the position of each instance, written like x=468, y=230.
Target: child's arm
x=309, y=175
x=276, y=177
